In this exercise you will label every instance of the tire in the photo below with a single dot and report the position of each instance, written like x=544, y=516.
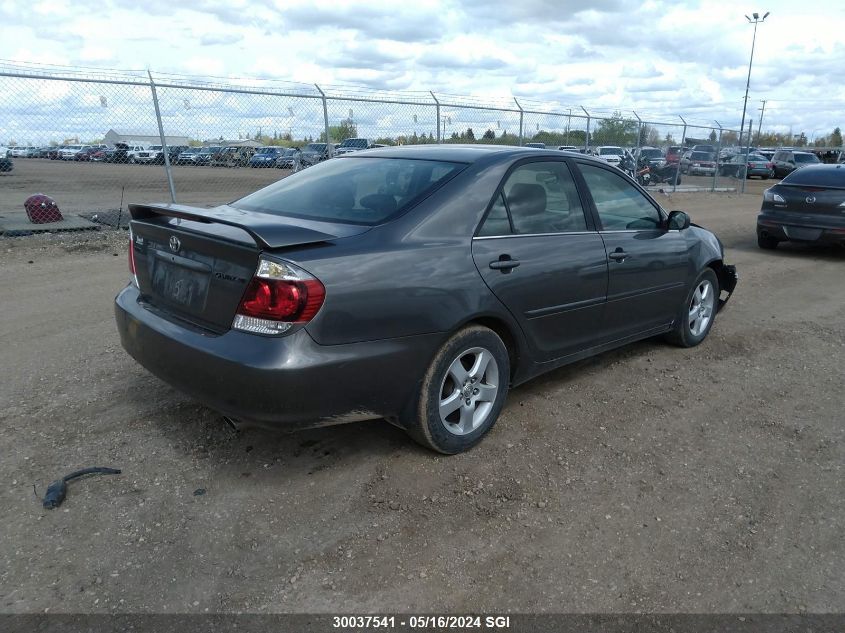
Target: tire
x=766, y=242
x=454, y=378
x=696, y=315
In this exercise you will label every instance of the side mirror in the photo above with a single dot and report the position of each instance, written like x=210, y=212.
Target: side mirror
x=678, y=221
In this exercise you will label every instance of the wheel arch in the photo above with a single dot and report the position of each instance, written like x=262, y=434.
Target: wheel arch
x=508, y=332
x=726, y=276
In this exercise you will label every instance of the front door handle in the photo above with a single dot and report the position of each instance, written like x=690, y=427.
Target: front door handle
x=504, y=263
x=618, y=255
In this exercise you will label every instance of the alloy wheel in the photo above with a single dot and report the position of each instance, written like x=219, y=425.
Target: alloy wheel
x=701, y=308
x=468, y=391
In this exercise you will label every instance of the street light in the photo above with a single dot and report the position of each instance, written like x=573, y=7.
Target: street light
x=755, y=21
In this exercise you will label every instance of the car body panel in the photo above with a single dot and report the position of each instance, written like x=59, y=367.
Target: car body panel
x=394, y=292
x=810, y=208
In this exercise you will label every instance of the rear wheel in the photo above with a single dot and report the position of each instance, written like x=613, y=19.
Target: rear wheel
x=695, y=318
x=767, y=242
x=462, y=393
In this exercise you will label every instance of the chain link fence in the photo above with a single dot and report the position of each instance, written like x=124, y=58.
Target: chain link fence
x=96, y=141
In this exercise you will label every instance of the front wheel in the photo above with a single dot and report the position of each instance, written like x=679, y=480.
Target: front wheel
x=462, y=393
x=695, y=318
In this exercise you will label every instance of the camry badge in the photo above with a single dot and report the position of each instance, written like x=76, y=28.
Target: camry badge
x=175, y=244
x=810, y=199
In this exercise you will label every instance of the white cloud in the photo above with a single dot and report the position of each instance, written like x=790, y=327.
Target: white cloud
x=660, y=57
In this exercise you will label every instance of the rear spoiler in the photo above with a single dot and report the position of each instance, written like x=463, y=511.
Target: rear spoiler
x=268, y=231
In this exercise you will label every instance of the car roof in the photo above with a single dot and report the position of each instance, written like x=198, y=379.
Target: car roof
x=459, y=153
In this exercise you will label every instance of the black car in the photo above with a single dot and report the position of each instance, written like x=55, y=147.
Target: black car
x=118, y=154
x=786, y=161
x=314, y=153
x=6, y=164
x=415, y=284
x=806, y=206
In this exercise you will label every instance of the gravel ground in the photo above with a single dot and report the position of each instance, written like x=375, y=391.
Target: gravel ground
x=647, y=479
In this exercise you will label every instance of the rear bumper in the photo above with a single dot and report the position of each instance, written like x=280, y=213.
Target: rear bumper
x=796, y=227
x=287, y=382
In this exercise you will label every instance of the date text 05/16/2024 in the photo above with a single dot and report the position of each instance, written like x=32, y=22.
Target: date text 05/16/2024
x=421, y=622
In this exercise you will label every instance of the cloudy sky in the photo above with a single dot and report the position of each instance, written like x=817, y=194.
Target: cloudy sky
x=652, y=56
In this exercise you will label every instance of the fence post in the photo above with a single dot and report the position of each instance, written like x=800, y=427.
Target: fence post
x=520, y=120
x=329, y=148
x=718, y=151
x=683, y=140
x=587, y=137
x=747, y=151
x=437, y=107
x=568, y=124
x=639, y=132
x=163, y=141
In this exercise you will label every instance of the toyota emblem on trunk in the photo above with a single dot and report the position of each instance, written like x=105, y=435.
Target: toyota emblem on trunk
x=175, y=244
x=810, y=199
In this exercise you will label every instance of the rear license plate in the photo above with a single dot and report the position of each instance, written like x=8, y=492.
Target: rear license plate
x=800, y=233
x=180, y=285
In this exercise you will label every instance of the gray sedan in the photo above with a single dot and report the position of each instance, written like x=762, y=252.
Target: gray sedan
x=755, y=165
x=416, y=284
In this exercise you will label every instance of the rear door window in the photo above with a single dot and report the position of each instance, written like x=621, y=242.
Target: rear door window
x=536, y=198
x=354, y=190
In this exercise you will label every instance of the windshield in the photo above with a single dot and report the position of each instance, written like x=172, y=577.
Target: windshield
x=352, y=190
x=832, y=177
x=652, y=153
x=355, y=142
x=605, y=151
x=155, y=147
x=806, y=158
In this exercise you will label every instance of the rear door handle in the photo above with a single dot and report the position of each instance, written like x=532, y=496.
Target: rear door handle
x=504, y=263
x=618, y=255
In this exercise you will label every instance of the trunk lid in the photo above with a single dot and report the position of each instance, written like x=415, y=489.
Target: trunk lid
x=194, y=264
x=812, y=200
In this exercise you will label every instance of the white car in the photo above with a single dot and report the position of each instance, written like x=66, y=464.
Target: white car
x=610, y=153
x=149, y=155
x=133, y=153
x=5, y=152
x=19, y=152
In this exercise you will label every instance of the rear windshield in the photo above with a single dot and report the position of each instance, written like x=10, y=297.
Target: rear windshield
x=806, y=158
x=352, y=190
x=614, y=151
x=757, y=158
x=701, y=156
x=317, y=147
x=821, y=176
x=652, y=153
x=355, y=142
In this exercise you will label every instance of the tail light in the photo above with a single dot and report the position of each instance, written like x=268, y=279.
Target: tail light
x=771, y=196
x=132, y=268
x=770, y=165
x=278, y=296
x=750, y=165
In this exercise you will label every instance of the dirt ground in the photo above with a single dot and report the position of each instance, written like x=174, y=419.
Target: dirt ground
x=84, y=187
x=647, y=479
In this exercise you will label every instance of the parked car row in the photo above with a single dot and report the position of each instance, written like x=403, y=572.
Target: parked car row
x=215, y=155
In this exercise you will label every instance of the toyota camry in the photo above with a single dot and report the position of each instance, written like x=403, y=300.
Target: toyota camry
x=415, y=284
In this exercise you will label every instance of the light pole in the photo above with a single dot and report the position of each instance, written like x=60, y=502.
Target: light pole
x=755, y=21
